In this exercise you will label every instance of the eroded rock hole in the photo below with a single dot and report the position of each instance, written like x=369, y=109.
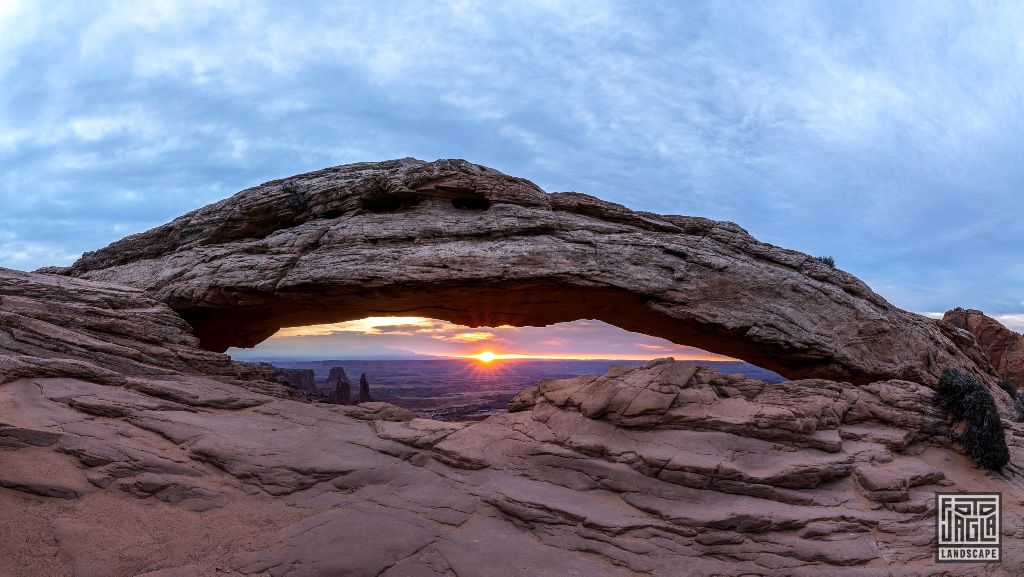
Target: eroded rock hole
x=440, y=370
x=388, y=202
x=471, y=203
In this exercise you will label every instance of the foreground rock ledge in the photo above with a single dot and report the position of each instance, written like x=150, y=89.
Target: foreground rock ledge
x=464, y=243
x=119, y=459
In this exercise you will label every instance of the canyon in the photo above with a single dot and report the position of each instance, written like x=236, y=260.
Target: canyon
x=131, y=445
x=458, y=389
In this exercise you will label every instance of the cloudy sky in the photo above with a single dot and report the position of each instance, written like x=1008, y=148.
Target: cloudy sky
x=889, y=135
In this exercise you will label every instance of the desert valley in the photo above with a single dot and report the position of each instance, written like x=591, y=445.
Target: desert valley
x=456, y=389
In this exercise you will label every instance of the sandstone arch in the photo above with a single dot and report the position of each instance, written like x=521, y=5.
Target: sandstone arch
x=461, y=242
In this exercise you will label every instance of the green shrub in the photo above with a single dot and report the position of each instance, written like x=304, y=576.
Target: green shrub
x=296, y=197
x=1010, y=388
x=826, y=260
x=1018, y=399
x=967, y=400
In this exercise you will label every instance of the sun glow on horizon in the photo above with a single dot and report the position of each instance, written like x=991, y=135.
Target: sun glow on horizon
x=398, y=336
x=491, y=356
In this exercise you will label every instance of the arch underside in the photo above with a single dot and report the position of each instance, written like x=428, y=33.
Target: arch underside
x=483, y=304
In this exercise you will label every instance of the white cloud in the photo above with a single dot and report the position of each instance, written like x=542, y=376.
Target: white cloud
x=1012, y=322
x=368, y=325
x=16, y=27
x=19, y=254
x=93, y=128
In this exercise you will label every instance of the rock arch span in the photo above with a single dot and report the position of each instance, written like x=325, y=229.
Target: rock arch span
x=461, y=242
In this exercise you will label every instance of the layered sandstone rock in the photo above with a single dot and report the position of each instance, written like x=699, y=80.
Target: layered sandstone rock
x=53, y=326
x=299, y=379
x=340, y=385
x=660, y=470
x=460, y=242
x=1004, y=348
x=364, y=389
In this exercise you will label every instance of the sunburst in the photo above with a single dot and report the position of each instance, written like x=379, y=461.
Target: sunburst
x=485, y=357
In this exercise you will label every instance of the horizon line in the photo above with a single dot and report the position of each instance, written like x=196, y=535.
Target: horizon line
x=502, y=357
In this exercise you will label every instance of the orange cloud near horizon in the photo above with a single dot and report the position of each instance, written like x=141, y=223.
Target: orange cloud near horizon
x=582, y=340
x=468, y=337
x=593, y=357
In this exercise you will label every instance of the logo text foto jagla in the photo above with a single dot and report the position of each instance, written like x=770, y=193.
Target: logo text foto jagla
x=967, y=527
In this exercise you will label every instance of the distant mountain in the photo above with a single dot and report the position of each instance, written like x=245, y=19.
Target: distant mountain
x=302, y=359
x=378, y=354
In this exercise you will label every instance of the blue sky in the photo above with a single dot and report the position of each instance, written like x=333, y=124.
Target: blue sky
x=886, y=134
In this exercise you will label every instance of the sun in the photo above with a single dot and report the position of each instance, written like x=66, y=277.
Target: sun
x=486, y=357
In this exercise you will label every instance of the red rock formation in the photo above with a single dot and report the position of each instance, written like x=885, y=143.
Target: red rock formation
x=60, y=327
x=338, y=381
x=1004, y=348
x=464, y=243
x=299, y=379
x=364, y=389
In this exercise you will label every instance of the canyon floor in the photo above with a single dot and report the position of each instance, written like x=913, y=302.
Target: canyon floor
x=130, y=446
x=468, y=389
